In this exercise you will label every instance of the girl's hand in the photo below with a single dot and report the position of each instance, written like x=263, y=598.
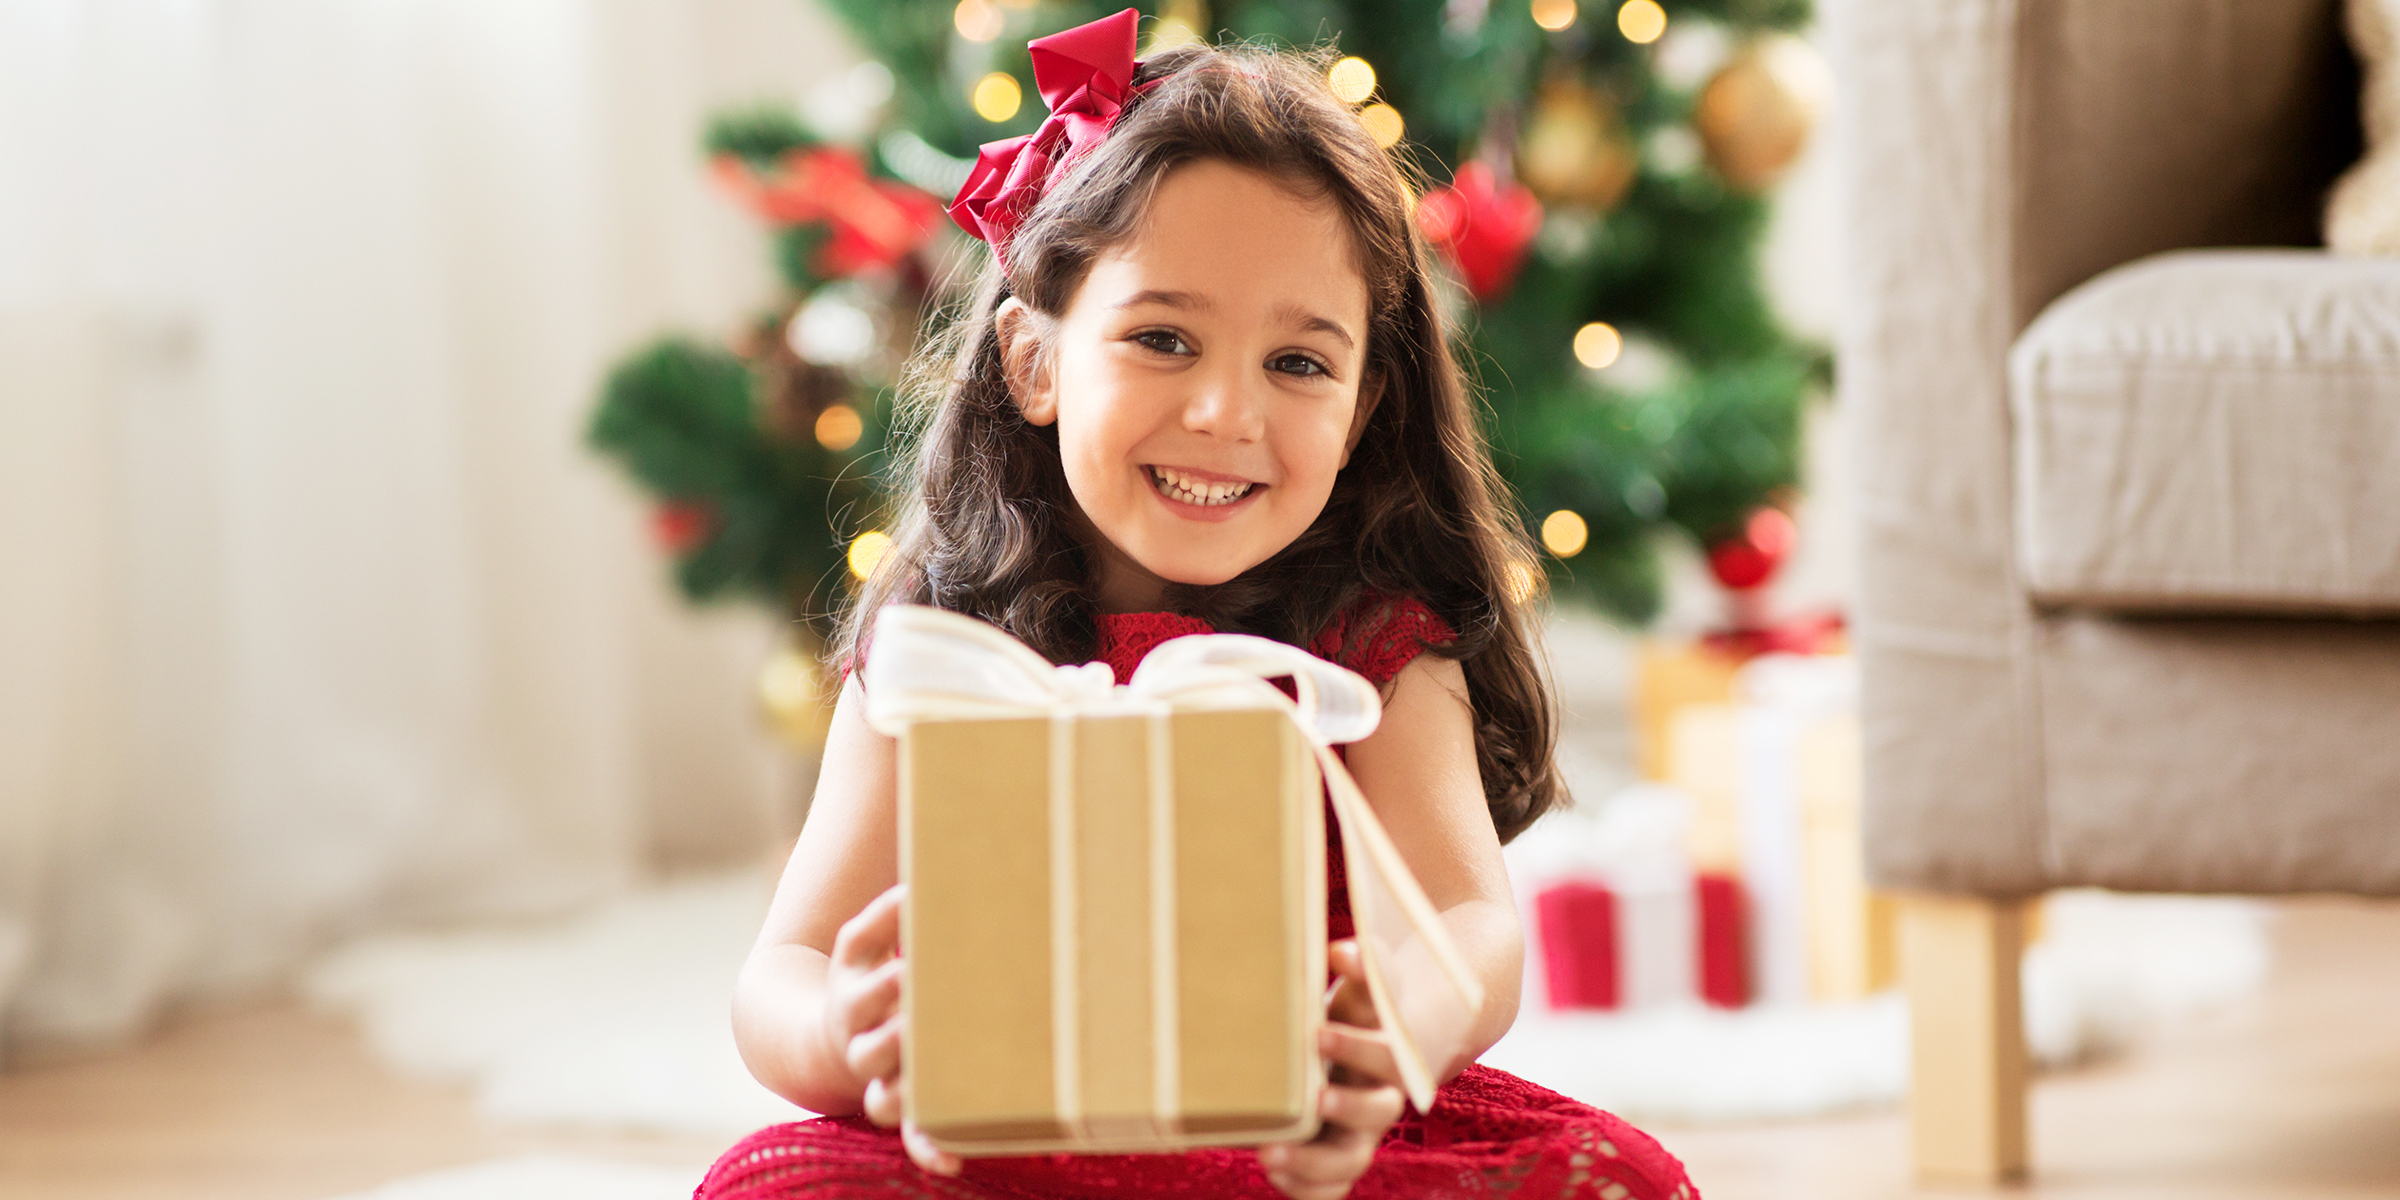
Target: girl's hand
x=862, y=1018
x=1361, y=1101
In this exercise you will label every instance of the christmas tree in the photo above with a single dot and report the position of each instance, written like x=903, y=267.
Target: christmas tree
x=1595, y=178
x=762, y=454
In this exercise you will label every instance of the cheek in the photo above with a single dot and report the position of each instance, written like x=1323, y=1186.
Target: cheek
x=1311, y=450
x=1096, y=425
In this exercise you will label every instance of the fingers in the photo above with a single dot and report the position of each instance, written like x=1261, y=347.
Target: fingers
x=1365, y=1053
x=1351, y=1002
x=1369, y=1110
x=874, y=934
x=1343, y=957
x=922, y=1151
x=1322, y=1169
x=856, y=1003
x=875, y=1054
x=886, y=1102
x=1355, y=1119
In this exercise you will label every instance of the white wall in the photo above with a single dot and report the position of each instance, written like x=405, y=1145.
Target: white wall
x=314, y=613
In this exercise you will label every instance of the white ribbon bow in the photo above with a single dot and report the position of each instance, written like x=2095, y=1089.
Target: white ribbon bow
x=929, y=664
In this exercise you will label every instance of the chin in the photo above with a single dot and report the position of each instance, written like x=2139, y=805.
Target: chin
x=1209, y=577
x=1196, y=570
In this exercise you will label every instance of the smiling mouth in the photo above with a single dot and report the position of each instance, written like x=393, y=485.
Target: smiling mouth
x=1192, y=489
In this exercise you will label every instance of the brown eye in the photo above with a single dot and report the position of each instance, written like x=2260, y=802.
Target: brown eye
x=1297, y=364
x=1164, y=341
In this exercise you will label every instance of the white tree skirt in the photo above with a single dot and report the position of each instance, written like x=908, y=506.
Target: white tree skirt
x=618, y=1019
x=2108, y=966
x=544, y=1177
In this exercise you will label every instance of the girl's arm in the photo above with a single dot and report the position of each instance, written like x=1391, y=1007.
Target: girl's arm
x=1419, y=773
x=791, y=999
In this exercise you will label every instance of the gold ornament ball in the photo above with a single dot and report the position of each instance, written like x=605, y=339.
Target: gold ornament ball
x=1755, y=116
x=1573, y=153
x=791, y=693
x=1180, y=23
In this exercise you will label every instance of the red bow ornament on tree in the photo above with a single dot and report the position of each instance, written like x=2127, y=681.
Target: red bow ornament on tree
x=1483, y=227
x=872, y=222
x=1085, y=76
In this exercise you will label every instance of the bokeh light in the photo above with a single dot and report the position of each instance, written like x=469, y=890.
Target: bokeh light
x=1554, y=15
x=1565, y=533
x=1598, y=344
x=1353, y=80
x=787, y=684
x=867, y=551
x=839, y=427
x=1383, y=124
x=997, y=96
x=977, y=20
x=1523, y=582
x=1641, y=21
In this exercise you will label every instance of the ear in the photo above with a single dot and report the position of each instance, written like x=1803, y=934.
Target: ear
x=1370, y=394
x=1030, y=380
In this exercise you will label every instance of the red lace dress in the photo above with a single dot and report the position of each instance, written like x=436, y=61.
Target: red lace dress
x=1490, y=1134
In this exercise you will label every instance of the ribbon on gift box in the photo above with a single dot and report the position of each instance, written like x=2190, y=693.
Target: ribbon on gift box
x=929, y=664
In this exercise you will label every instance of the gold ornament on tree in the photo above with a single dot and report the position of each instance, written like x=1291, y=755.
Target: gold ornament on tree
x=1756, y=114
x=1573, y=152
x=1180, y=23
x=792, y=693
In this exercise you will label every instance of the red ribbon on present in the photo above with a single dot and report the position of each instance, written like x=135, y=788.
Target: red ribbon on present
x=874, y=222
x=1085, y=76
x=1483, y=227
x=1820, y=633
x=1578, y=927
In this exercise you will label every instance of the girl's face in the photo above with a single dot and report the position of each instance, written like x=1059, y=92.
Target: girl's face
x=1206, y=380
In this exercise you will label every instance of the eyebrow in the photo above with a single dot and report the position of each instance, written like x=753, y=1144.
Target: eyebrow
x=1289, y=314
x=1293, y=314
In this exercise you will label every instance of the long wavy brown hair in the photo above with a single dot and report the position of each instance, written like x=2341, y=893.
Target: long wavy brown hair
x=987, y=526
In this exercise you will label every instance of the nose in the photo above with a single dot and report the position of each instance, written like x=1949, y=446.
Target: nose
x=1227, y=405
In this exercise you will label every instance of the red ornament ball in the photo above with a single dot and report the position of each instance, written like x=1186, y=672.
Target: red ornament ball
x=680, y=525
x=1485, y=227
x=1751, y=557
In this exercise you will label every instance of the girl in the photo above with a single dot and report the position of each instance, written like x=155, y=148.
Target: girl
x=1203, y=387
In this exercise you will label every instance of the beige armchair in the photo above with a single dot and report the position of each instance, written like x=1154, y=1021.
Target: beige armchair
x=2129, y=607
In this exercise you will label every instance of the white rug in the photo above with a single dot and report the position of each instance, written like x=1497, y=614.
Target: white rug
x=2109, y=966
x=618, y=1019
x=544, y=1177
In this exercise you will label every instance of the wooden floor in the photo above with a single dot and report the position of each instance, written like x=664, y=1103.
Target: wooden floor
x=2292, y=1096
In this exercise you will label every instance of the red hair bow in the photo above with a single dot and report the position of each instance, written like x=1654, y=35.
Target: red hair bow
x=1085, y=76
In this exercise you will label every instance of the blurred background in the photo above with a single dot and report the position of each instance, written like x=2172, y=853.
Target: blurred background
x=434, y=434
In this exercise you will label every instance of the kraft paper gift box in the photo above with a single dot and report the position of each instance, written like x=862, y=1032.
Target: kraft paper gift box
x=1775, y=775
x=1114, y=933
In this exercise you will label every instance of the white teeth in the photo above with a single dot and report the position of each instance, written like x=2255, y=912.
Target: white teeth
x=1193, y=490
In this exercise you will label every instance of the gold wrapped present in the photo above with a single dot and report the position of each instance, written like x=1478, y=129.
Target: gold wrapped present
x=1114, y=934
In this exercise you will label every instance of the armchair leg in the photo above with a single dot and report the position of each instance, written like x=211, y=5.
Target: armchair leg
x=1959, y=956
